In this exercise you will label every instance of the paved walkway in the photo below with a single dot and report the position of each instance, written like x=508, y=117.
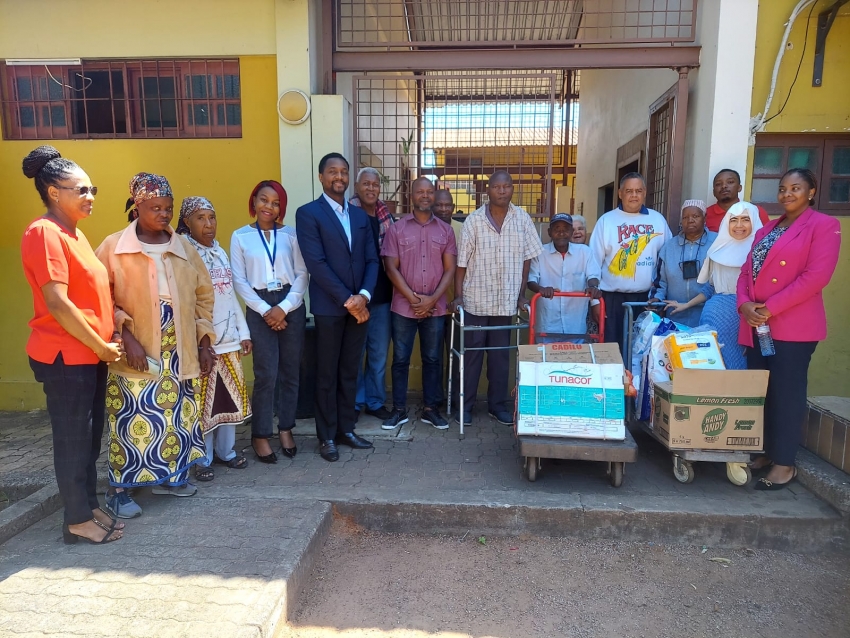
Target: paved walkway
x=230, y=561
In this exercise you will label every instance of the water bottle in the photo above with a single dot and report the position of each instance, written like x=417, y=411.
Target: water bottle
x=765, y=340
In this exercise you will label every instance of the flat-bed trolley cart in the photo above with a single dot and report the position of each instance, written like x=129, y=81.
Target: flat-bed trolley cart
x=536, y=448
x=737, y=470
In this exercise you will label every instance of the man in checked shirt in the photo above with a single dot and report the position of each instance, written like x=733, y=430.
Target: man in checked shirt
x=497, y=244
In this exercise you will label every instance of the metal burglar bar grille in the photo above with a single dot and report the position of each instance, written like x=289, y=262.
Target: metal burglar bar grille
x=117, y=99
x=509, y=23
x=660, y=150
x=460, y=127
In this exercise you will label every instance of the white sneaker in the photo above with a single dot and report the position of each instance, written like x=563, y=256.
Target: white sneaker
x=184, y=490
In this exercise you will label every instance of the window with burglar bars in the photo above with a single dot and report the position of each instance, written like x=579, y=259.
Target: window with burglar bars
x=459, y=127
x=660, y=151
x=122, y=99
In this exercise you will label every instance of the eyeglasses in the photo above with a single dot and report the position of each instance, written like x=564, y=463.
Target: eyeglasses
x=81, y=191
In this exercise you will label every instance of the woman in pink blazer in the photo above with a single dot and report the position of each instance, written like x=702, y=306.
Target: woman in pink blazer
x=781, y=283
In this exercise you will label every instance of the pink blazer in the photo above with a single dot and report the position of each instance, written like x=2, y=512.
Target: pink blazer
x=792, y=279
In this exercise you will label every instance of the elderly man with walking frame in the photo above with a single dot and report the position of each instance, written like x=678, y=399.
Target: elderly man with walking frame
x=497, y=244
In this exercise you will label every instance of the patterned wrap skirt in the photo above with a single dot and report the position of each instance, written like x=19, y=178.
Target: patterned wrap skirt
x=721, y=313
x=224, y=395
x=155, y=433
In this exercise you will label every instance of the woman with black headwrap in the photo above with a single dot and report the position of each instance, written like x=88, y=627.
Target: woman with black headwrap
x=163, y=308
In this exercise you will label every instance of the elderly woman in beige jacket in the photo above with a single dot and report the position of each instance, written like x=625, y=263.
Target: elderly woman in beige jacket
x=163, y=299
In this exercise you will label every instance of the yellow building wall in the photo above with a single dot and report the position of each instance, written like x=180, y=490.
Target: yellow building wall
x=825, y=109
x=223, y=170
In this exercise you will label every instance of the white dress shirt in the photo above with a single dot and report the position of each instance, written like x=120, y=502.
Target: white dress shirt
x=568, y=273
x=252, y=269
x=341, y=211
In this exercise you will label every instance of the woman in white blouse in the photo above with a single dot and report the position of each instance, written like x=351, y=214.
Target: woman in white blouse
x=270, y=276
x=720, y=273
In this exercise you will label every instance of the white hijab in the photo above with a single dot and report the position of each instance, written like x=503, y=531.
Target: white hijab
x=726, y=250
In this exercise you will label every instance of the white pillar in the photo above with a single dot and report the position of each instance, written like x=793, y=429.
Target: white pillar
x=721, y=94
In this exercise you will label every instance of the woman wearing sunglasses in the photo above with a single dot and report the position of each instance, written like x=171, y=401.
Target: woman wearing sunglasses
x=72, y=337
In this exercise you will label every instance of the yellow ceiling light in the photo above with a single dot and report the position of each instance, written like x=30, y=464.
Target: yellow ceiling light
x=293, y=106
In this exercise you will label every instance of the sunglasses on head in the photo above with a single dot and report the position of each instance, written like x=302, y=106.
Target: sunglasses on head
x=81, y=191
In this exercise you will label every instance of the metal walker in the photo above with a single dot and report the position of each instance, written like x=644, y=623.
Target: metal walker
x=459, y=320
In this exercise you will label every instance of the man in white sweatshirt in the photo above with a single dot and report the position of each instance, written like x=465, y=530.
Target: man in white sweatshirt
x=626, y=241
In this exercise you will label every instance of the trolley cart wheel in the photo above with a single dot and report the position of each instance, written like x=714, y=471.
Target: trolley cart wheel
x=738, y=473
x=531, y=467
x=615, y=473
x=683, y=470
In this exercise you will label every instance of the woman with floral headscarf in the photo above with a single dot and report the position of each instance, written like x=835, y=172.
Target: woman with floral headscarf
x=224, y=397
x=163, y=300
x=719, y=274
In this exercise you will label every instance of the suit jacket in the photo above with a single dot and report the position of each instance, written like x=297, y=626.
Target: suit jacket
x=792, y=279
x=336, y=272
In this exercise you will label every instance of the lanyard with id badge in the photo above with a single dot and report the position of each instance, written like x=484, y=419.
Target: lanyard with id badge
x=274, y=284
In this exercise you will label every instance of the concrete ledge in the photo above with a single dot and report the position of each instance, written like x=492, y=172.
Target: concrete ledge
x=826, y=481
x=681, y=522
x=19, y=516
x=293, y=572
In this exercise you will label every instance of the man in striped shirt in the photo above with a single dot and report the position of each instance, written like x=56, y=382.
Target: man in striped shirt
x=497, y=244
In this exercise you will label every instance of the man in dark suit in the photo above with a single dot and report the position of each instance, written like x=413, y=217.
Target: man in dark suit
x=336, y=241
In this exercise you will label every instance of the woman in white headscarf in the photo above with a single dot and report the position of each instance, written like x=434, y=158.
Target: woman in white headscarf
x=719, y=274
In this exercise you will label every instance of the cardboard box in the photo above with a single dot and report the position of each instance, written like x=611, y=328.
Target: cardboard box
x=712, y=410
x=571, y=390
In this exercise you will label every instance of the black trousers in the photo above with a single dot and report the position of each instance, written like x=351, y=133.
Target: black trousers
x=76, y=403
x=339, y=345
x=786, y=402
x=615, y=313
x=498, y=362
x=277, y=363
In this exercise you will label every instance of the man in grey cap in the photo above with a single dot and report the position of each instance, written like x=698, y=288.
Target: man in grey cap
x=563, y=267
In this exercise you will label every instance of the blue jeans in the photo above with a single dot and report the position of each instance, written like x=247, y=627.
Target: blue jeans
x=371, y=383
x=430, y=343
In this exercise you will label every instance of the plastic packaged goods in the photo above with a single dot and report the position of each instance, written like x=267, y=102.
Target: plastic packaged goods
x=694, y=351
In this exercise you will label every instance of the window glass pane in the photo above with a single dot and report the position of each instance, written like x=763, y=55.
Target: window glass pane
x=27, y=115
x=160, y=112
x=234, y=114
x=201, y=114
x=803, y=158
x=197, y=86
x=227, y=86
x=45, y=116
x=767, y=161
x=55, y=90
x=24, y=86
x=57, y=114
x=841, y=161
x=839, y=191
x=765, y=190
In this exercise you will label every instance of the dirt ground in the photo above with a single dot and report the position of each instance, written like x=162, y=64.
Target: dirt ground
x=380, y=585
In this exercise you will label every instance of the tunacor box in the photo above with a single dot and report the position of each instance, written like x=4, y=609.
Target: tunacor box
x=571, y=390
x=712, y=410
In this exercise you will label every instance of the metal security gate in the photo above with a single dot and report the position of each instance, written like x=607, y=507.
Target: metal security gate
x=459, y=127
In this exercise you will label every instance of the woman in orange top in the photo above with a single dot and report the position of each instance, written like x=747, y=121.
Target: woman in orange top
x=72, y=337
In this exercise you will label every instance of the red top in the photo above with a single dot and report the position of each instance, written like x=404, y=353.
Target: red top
x=51, y=253
x=420, y=249
x=714, y=215
x=791, y=281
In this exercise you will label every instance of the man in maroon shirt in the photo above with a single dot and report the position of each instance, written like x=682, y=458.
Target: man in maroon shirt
x=420, y=257
x=727, y=185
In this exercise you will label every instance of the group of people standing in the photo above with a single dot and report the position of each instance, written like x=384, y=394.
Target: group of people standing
x=732, y=269
x=147, y=333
